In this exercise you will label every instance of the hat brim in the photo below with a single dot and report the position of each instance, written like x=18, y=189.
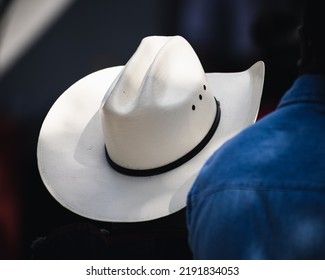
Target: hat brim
x=71, y=150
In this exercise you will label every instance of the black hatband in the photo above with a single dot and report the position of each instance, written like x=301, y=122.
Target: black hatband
x=174, y=164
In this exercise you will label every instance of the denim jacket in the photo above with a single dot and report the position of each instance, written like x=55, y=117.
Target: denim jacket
x=262, y=194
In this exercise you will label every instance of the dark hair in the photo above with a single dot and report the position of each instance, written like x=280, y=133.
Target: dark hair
x=78, y=241
x=314, y=21
x=312, y=38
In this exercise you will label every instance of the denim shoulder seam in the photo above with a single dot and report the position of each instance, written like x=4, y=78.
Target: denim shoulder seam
x=247, y=187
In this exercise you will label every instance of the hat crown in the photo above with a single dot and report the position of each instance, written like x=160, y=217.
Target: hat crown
x=159, y=107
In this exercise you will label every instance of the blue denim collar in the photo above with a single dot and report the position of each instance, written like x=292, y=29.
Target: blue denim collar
x=307, y=88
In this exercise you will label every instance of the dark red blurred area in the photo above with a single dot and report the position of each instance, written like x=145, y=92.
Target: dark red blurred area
x=10, y=200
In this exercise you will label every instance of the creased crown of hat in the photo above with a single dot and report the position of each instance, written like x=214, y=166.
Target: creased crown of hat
x=126, y=143
x=160, y=108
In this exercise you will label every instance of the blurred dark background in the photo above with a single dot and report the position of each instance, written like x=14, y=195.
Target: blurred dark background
x=47, y=45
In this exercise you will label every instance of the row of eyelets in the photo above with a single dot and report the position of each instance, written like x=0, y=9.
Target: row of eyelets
x=200, y=97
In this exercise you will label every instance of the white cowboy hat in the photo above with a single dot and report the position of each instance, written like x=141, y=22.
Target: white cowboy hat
x=125, y=144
